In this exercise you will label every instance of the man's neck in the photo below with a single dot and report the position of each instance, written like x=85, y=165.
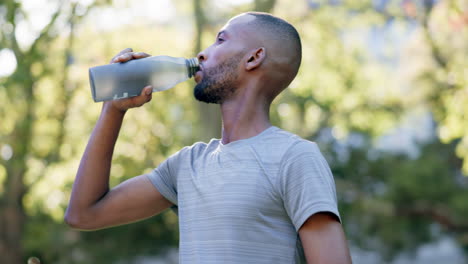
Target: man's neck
x=245, y=116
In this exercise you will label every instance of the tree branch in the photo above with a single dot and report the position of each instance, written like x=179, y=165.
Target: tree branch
x=12, y=8
x=437, y=214
x=44, y=35
x=424, y=20
x=200, y=22
x=66, y=93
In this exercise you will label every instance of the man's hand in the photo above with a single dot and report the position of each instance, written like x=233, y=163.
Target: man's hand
x=122, y=105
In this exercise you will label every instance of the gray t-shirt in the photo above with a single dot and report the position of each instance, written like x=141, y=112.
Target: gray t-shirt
x=245, y=201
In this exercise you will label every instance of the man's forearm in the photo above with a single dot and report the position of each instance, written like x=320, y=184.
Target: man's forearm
x=92, y=178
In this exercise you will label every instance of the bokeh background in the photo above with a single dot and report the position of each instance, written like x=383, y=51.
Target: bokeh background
x=383, y=90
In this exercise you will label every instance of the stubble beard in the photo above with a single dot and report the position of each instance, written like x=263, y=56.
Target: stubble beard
x=218, y=83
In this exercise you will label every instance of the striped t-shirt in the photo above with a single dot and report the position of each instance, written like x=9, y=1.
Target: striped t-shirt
x=245, y=201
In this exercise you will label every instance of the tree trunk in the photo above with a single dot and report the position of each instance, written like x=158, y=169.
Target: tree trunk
x=12, y=218
x=12, y=215
x=12, y=211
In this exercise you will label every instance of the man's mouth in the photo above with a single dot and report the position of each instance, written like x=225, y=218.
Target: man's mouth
x=199, y=74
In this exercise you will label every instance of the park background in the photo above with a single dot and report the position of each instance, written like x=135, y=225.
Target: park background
x=383, y=90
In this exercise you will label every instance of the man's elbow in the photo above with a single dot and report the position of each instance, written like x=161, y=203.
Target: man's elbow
x=71, y=219
x=76, y=220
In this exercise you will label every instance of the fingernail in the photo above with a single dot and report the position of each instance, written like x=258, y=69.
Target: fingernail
x=148, y=91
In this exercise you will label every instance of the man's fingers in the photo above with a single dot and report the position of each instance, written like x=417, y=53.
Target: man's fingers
x=139, y=55
x=128, y=55
x=127, y=50
x=122, y=52
x=124, y=57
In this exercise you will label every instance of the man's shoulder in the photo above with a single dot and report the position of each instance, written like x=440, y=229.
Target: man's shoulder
x=279, y=143
x=289, y=140
x=198, y=148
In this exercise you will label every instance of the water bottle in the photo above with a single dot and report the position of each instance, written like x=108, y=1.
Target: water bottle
x=127, y=79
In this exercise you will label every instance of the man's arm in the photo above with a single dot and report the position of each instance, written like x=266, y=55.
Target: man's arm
x=324, y=241
x=92, y=205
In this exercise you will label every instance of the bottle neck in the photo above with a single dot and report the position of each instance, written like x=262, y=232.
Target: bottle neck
x=192, y=66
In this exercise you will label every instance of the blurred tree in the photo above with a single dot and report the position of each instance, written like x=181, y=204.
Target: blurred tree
x=264, y=5
x=347, y=95
x=209, y=114
x=20, y=119
x=39, y=117
x=445, y=78
x=393, y=204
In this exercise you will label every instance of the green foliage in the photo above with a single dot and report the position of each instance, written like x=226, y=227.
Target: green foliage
x=390, y=203
x=399, y=202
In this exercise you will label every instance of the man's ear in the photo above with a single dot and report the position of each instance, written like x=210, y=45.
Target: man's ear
x=255, y=58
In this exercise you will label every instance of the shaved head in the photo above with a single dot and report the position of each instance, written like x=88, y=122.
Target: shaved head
x=283, y=45
x=280, y=31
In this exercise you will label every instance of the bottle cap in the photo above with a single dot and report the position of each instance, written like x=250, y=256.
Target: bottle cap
x=193, y=66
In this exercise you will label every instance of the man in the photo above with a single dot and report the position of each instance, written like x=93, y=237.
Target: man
x=255, y=196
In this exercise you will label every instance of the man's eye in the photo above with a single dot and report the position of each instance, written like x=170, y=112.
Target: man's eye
x=220, y=39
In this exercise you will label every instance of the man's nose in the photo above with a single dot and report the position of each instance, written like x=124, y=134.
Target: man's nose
x=202, y=56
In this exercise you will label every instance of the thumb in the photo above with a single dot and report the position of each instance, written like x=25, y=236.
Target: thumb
x=137, y=101
x=145, y=96
x=148, y=90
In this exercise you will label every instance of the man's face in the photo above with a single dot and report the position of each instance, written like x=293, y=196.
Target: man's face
x=220, y=63
x=218, y=83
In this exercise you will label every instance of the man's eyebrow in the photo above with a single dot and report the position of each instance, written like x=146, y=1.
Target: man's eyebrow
x=221, y=32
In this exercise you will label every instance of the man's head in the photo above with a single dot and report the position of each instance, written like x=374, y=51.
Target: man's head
x=252, y=50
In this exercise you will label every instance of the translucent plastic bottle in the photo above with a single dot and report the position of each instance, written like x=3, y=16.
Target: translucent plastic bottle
x=127, y=79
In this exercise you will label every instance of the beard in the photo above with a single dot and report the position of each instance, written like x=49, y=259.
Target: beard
x=218, y=83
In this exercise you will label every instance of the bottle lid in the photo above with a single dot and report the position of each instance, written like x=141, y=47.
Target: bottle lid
x=193, y=66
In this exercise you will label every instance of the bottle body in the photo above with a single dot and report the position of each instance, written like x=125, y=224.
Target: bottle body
x=127, y=79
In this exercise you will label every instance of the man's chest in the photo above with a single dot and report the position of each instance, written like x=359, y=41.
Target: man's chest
x=230, y=186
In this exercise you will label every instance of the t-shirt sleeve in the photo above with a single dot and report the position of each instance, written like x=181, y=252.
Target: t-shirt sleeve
x=164, y=177
x=306, y=183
